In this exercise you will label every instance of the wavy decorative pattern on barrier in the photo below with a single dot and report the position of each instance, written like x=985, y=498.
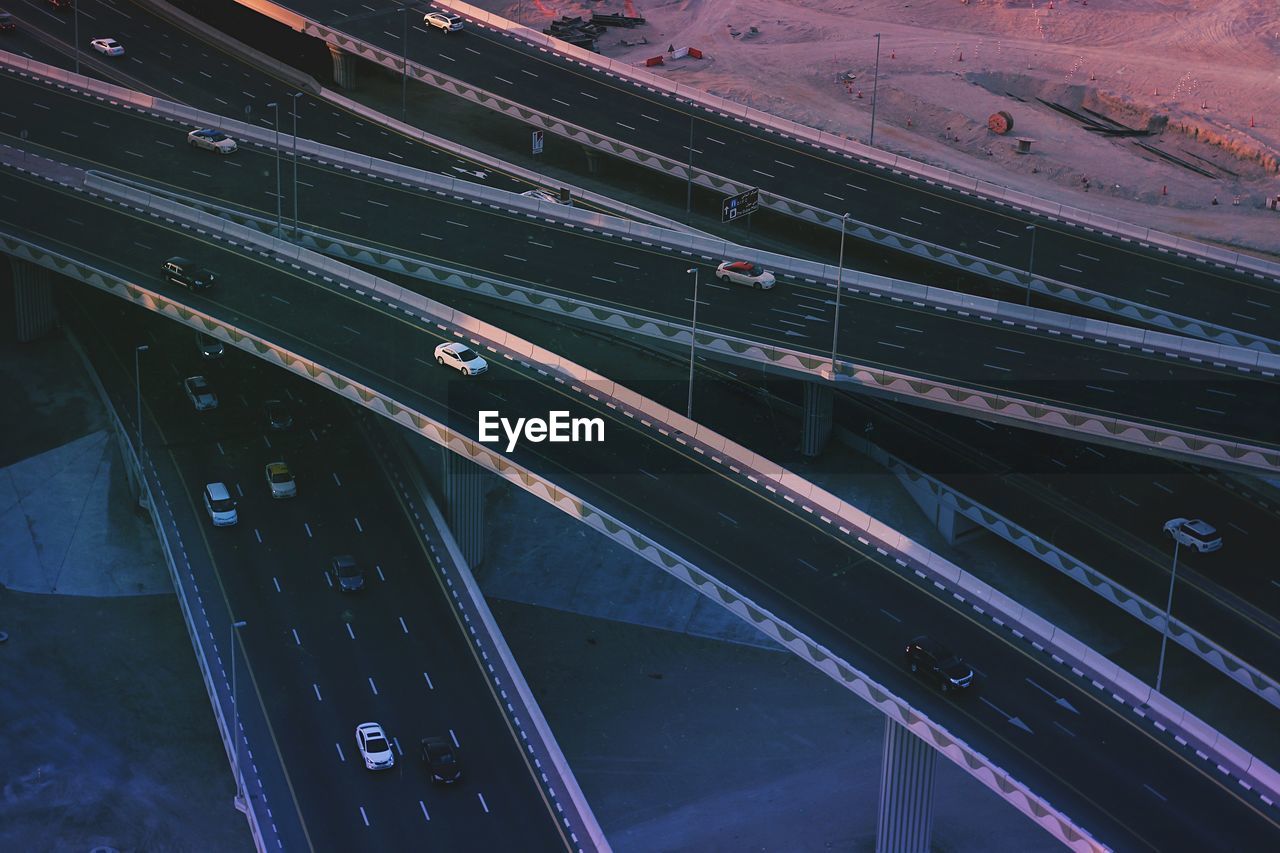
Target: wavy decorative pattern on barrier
x=800, y=210
x=1243, y=673
x=972, y=761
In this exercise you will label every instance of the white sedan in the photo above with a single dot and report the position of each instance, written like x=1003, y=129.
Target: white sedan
x=374, y=746
x=461, y=358
x=211, y=140
x=200, y=393
x=107, y=47
x=745, y=272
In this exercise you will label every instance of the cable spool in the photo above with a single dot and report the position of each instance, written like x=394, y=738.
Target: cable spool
x=1000, y=123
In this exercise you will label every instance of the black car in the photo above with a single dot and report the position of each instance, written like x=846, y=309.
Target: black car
x=278, y=415
x=7, y=24
x=936, y=661
x=186, y=273
x=347, y=576
x=441, y=760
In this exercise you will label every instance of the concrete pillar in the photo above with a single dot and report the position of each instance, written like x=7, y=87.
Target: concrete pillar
x=908, y=768
x=35, y=313
x=463, y=486
x=344, y=68
x=815, y=422
x=594, y=158
x=953, y=525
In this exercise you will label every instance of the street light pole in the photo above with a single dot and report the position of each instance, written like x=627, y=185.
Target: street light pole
x=835, y=331
x=1031, y=261
x=137, y=381
x=235, y=717
x=693, y=341
x=75, y=25
x=1168, y=610
x=688, y=192
x=875, y=84
x=404, y=61
x=295, y=97
x=279, y=197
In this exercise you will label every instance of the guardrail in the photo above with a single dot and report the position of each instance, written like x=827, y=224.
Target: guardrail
x=1254, y=356
x=778, y=483
x=837, y=144
x=1017, y=411
x=583, y=381
x=1153, y=616
x=134, y=462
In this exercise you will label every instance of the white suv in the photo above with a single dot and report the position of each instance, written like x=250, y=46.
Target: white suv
x=443, y=21
x=1194, y=533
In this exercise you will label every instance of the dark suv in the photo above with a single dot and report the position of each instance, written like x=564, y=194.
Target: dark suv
x=441, y=760
x=346, y=575
x=186, y=273
x=939, y=663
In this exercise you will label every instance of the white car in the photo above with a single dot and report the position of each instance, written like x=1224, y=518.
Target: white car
x=107, y=47
x=443, y=21
x=745, y=272
x=220, y=505
x=211, y=140
x=281, y=481
x=200, y=393
x=546, y=195
x=460, y=358
x=1194, y=533
x=374, y=746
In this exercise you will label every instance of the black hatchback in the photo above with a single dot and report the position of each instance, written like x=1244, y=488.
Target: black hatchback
x=939, y=664
x=441, y=760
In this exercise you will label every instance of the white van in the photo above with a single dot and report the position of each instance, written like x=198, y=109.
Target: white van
x=220, y=505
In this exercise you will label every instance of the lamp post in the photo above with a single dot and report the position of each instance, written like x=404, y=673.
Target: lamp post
x=404, y=59
x=835, y=331
x=693, y=341
x=279, y=197
x=75, y=25
x=137, y=381
x=295, y=97
x=688, y=191
x=1168, y=610
x=1031, y=261
x=235, y=719
x=875, y=84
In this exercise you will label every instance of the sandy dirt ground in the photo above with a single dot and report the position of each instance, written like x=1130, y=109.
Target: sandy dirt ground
x=1202, y=75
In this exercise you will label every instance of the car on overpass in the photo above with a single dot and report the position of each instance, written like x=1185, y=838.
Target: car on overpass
x=460, y=358
x=211, y=140
x=186, y=273
x=374, y=747
x=551, y=196
x=200, y=393
x=443, y=21
x=107, y=47
x=280, y=480
x=441, y=760
x=745, y=272
x=220, y=505
x=1193, y=533
x=935, y=661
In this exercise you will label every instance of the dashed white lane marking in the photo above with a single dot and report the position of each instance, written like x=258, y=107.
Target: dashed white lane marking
x=807, y=563
x=503, y=80
x=890, y=615
x=558, y=101
x=1064, y=728
x=887, y=344
x=403, y=627
x=1156, y=292
x=931, y=210
x=1209, y=411
x=364, y=816
x=728, y=518
x=992, y=245
x=1162, y=797
x=427, y=679
x=912, y=221
x=1012, y=350
x=766, y=174
x=627, y=126
x=1162, y=487
x=647, y=474
x=1073, y=269
x=909, y=329
x=1170, y=280
x=1129, y=501
x=423, y=806
x=996, y=367
x=373, y=686
x=483, y=804
x=316, y=688
x=453, y=737
x=1237, y=528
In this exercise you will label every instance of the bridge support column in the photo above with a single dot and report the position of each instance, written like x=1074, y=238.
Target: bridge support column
x=344, y=68
x=463, y=486
x=816, y=420
x=594, y=158
x=953, y=525
x=35, y=313
x=908, y=768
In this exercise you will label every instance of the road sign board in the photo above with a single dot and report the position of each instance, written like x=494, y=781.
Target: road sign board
x=742, y=204
x=537, y=141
